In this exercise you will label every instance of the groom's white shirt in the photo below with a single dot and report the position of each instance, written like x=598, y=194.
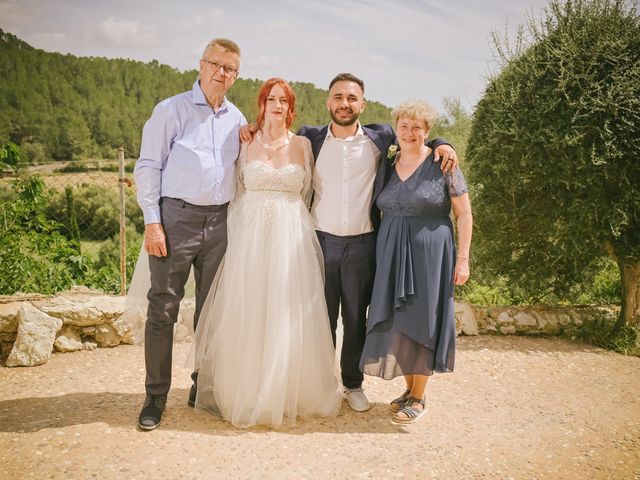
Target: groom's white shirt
x=343, y=184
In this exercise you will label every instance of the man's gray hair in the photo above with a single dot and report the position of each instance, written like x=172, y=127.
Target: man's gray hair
x=225, y=43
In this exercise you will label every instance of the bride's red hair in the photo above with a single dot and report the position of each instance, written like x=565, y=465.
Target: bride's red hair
x=263, y=93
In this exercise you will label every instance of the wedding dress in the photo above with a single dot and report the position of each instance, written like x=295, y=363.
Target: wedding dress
x=263, y=345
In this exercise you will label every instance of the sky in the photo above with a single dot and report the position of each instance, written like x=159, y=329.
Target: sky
x=402, y=49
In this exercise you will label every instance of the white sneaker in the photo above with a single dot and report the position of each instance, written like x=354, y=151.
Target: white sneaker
x=356, y=399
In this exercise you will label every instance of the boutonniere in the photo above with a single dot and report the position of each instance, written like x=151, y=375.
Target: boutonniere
x=393, y=149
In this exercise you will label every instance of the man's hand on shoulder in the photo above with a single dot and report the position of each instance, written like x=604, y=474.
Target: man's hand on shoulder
x=247, y=132
x=154, y=240
x=449, y=158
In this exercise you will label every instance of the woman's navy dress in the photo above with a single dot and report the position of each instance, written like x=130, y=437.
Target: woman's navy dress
x=411, y=324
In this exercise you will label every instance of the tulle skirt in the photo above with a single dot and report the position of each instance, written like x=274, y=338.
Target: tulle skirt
x=264, y=353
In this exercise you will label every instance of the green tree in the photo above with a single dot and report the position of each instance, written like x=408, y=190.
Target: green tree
x=553, y=153
x=454, y=125
x=34, y=255
x=9, y=156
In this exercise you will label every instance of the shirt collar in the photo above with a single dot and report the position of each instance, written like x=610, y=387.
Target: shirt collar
x=198, y=97
x=359, y=132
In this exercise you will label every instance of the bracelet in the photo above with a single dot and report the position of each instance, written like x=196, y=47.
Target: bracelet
x=461, y=257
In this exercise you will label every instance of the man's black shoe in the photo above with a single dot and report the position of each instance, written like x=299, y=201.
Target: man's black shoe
x=151, y=414
x=192, y=396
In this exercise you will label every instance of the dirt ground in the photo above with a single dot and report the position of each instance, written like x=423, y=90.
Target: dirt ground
x=515, y=408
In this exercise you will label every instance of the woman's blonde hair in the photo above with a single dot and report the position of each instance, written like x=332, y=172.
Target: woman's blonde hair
x=415, y=110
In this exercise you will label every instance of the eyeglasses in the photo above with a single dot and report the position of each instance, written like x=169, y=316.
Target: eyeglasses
x=228, y=69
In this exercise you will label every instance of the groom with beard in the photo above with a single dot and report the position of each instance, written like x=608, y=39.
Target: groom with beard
x=351, y=167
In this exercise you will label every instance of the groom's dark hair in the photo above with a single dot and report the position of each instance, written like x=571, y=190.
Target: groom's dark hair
x=347, y=77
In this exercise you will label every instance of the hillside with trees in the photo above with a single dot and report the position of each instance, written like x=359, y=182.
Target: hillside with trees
x=62, y=107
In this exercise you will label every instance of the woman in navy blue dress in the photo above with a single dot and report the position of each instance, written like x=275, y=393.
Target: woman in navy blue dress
x=411, y=324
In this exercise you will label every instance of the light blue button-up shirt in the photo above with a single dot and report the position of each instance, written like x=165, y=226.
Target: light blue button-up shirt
x=189, y=152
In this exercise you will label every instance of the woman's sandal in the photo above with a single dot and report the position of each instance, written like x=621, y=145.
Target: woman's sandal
x=412, y=414
x=397, y=404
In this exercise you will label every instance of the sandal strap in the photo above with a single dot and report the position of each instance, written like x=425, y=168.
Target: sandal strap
x=410, y=412
x=402, y=398
x=412, y=400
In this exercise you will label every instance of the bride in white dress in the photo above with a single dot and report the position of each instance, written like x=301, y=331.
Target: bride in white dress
x=264, y=349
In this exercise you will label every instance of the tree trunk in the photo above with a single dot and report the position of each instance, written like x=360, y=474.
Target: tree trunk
x=630, y=282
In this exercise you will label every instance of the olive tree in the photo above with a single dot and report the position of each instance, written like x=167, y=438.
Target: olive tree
x=554, y=152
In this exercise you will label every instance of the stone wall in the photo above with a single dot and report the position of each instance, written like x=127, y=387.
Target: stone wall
x=32, y=327
x=529, y=320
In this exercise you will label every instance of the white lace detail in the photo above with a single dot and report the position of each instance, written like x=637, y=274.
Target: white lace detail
x=259, y=176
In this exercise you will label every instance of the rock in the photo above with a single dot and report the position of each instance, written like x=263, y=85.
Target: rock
x=5, y=349
x=551, y=328
x=89, y=345
x=82, y=308
x=508, y=329
x=479, y=313
x=458, y=320
x=182, y=333
x=110, y=307
x=543, y=317
x=525, y=320
x=564, y=319
x=106, y=336
x=465, y=315
x=34, y=342
x=9, y=316
x=69, y=340
x=130, y=325
x=123, y=328
x=8, y=337
x=504, y=318
x=77, y=311
x=494, y=312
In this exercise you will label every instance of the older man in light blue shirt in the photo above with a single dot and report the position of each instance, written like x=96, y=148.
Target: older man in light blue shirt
x=185, y=178
x=188, y=152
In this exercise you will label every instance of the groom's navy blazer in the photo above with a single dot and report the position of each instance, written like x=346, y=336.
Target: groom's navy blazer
x=383, y=137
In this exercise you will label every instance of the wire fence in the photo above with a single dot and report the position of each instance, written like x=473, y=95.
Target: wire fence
x=100, y=196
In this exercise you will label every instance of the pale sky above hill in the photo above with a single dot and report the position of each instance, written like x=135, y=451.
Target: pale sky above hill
x=418, y=49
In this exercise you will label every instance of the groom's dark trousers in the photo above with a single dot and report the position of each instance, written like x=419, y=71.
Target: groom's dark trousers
x=350, y=263
x=195, y=236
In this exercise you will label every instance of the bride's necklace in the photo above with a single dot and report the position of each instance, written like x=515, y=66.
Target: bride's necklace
x=275, y=145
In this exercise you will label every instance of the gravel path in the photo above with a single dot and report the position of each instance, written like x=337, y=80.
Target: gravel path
x=516, y=408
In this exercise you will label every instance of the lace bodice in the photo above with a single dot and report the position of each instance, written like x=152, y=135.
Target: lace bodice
x=258, y=176
x=427, y=192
